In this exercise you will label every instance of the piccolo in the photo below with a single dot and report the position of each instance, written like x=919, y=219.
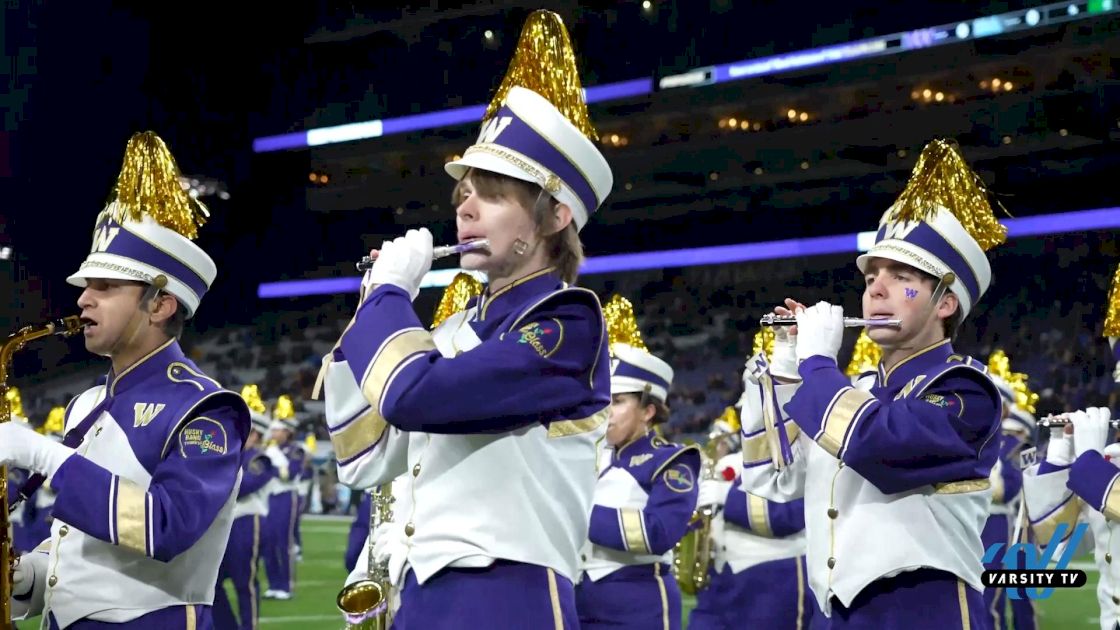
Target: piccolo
x=1053, y=421
x=849, y=322
x=442, y=251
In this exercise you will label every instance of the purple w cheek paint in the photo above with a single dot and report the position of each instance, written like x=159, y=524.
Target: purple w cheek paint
x=911, y=293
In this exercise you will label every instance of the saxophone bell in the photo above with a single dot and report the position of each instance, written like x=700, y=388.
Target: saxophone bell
x=692, y=555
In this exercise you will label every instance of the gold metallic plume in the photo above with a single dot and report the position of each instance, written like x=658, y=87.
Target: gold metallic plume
x=1112, y=316
x=15, y=401
x=456, y=296
x=149, y=184
x=764, y=342
x=942, y=178
x=545, y=63
x=731, y=417
x=622, y=326
x=865, y=356
x=55, y=422
x=284, y=408
x=1000, y=366
x=252, y=396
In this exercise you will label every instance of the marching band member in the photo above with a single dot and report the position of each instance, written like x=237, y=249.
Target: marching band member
x=288, y=457
x=757, y=577
x=147, y=476
x=239, y=564
x=1077, y=481
x=914, y=453
x=643, y=502
x=1007, y=481
x=498, y=410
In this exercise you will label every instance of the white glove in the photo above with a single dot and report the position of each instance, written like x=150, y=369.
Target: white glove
x=402, y=262
x=277, y=457
x=388, y=540
x=820, y=331
x=1059, y=451
x=713, y=492
x=1090, y=430
x=23, y=579
x=21, y=448
x=784, y=362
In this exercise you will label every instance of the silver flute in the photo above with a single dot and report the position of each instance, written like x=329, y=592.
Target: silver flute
x=1062, y=419
x=772, y=319
x=443, y=251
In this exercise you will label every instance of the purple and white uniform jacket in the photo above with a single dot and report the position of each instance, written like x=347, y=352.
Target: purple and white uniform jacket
x=496, y=412
x=144, y=508
x=913, y=454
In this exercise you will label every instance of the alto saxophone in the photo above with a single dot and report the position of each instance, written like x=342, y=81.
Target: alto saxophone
x=692, y=555
x=66, y=326
x=365, y=603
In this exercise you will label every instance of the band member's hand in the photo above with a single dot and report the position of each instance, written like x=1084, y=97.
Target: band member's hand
x=388, y=539
x=403, y=262
x=1090, y=430
x=1059, y=451
x=820, y=331
x=790, y=308
x=22, y=447
x=712, y=492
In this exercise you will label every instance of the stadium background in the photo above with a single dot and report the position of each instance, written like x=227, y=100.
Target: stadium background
x=805, y=146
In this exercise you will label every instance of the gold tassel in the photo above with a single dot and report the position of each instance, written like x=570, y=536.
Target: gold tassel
x=764, y=342
x=456, y=296
x=311, y=442
x=545, y=63
x=1000, y=365
x=865, y=356
x=942, y=178
x=15, y=401
x=1112, y=317
x=731, y=417
x=149, y=184
x=252, y=396
x=622, y=326
x=284, y=409
x=55, y=422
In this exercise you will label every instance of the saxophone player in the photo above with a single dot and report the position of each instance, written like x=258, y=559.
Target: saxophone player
x=289, y=458
x=493, y=416
x=146, y=478
x=757, y=576
x=643, y=502
x=914, y=453
x=239, y=564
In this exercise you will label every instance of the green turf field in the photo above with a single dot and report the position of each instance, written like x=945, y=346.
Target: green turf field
x=320, y=576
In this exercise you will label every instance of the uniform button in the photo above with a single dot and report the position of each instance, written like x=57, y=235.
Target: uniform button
x=583, y=557
x=1108, y=558
x=409, y=529
x=833, y=512
x=723, y=548
x=831, y=562
x=1115, y=600
x=416, y=470
x=52, y=581
x=65, y=529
